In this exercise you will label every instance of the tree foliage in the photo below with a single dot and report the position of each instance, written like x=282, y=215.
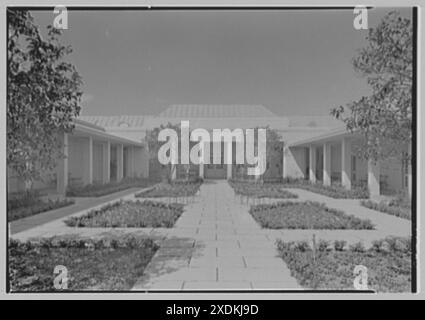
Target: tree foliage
x=385, y=117
x=43, y=96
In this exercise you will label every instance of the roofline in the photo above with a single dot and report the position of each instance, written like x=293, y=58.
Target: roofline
x=102, y=134
x=330, y=135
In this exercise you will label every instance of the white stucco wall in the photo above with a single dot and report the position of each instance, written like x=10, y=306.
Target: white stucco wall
x=294, y=162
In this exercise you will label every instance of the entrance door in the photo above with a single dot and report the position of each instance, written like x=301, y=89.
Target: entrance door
x=215, y=171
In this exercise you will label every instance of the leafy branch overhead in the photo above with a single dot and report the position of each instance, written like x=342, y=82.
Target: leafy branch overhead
x=385, y=117
x=44, y=95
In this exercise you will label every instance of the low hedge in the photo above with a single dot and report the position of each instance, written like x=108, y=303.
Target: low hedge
x=257, y=190
x=98, y=190
x=174, y=189
x=334, y=191
x=305, y=215
x=388, y=264
x=103, y=264
x=130, y=214
x=38, y=207
x=396, y=207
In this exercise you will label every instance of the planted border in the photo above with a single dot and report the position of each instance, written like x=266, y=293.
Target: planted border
x=305, y=215
x=104, y=264
x=388, y=264
x=130, y=214
x=171, y=190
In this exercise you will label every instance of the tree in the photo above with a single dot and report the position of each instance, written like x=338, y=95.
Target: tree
x=43, y=96
x=385, y=117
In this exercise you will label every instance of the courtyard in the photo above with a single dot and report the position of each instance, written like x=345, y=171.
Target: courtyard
x=215, y=244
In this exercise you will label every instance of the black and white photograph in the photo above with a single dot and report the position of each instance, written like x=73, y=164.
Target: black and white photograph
x=211, y=150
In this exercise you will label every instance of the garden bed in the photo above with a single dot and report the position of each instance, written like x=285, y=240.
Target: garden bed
x=305, y=215
x=171, y=190
x=105, y=264
x=388, y=264
x=130, y=214
x=401, y=209
x=29, y=203
x=256, y=190
x=334, y=191
x=98, y=190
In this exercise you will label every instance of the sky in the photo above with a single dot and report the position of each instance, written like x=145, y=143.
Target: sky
x=140, y=62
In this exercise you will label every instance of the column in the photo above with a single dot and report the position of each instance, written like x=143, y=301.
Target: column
x=373, y=172
x=201, y=170
x=229, y=171
x=312, y=164
x=62, y=167
x=346, y=163
x=409, y=171
x=88, y=160
x=120, y=162
x=106, y=171
x=130, y=162
x=327, y=164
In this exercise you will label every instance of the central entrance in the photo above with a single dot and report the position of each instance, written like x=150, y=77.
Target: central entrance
x=215, y=171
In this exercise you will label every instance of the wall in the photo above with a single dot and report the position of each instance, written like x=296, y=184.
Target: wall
x=294, y=162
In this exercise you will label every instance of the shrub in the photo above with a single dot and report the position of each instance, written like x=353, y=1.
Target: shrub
x=38, y=207
x=130, y=214
x=305, y=215
x=339, y=245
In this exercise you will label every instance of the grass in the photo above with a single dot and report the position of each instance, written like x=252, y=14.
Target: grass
x=256, y=190
x=174, y=189
x=336, y=191
x=21, y=205
x=399, y=207
x=130, y=214
x=92, y=264
x=98, y=190
x=305, y=215
x=388, y=264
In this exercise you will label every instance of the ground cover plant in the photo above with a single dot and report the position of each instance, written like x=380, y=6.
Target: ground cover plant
x=173, y=189
x=98, y=190
x=336, y=191
x=25, y=204
x=256, y=190
x=328, y=267
x=305, y=215
x=130, y=214
x=399, y=207
x=100, y=264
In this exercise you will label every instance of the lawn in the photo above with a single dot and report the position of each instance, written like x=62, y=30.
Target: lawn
x=172, y=190
x=399, y=207
x=388, y=264
x=98, y=190
x=21, y=205
x=305, y=215
x=265, y=190
x=91, y=264
x=130, y=214
x=336, y=191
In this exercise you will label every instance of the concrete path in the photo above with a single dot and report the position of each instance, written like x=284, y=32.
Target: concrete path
x=216, y=244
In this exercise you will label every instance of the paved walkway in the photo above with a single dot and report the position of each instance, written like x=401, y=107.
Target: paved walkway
x=216, y=245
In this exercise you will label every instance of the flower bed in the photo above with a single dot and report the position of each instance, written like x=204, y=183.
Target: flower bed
x=265, y=190
x=305, y=215
x=105, y=264
x=29, y=203
x=130, y=214
x=175, y=189
x=98, y=190
x=388, y=264
x=397, y=207
x=334, y=191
